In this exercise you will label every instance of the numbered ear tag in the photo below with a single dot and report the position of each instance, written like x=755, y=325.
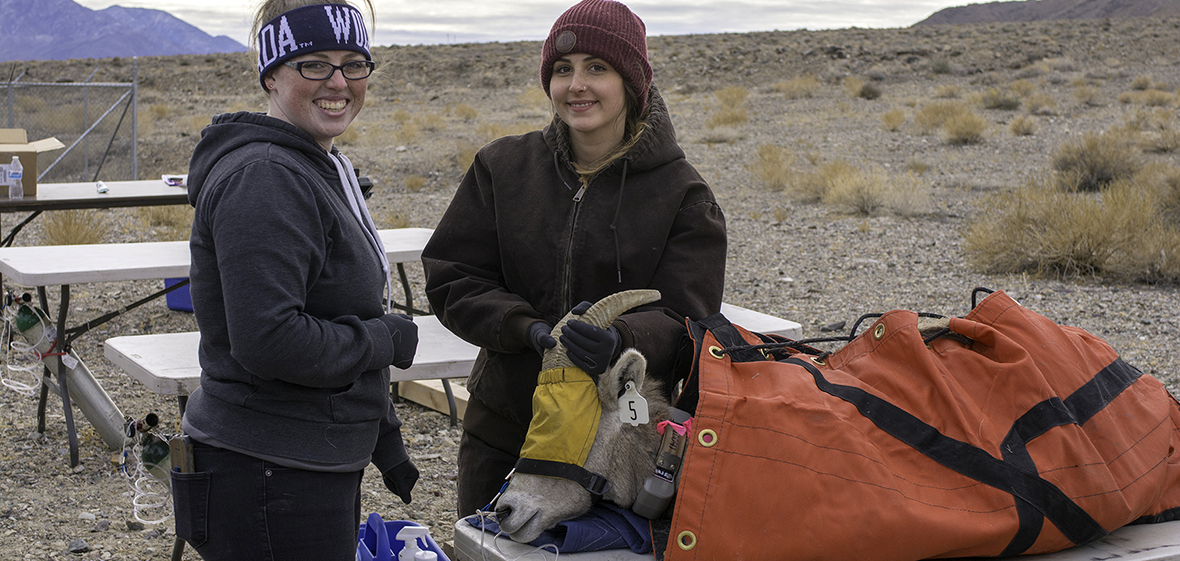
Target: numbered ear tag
x=632, y=407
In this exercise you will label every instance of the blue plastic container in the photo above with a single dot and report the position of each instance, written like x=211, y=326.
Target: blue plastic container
x=180, y=299
x=377, y=540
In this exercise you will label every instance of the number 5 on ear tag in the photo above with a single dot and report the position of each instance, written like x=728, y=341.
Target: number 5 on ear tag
x=632, y=407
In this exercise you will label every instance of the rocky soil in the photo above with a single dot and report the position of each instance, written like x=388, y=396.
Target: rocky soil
x=430, y=107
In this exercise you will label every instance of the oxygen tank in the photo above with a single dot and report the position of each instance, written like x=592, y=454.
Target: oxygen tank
x=94, y=401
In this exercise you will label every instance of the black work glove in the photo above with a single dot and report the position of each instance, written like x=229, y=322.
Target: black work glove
x=539, y=337
x=404, y=333
x=590, y=348
x=400, y=479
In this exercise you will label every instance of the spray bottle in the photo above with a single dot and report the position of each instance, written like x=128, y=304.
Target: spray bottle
x=409, y=536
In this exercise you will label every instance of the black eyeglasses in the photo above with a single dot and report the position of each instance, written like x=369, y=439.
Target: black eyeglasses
x=320, y=70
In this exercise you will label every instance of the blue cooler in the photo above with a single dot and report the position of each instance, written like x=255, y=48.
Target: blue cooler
x=180, y=299
x=377, y=540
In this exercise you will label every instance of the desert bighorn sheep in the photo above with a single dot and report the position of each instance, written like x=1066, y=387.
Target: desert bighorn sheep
x=624, y=454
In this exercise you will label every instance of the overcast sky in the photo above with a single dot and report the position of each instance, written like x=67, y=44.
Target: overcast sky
x=412, y=22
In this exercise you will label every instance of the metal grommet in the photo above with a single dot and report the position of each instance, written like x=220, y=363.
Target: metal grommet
x=686, y=540
x=707, y=438
x=817, y=361
x=879, y=332
x=269, y=473
x=715, y=352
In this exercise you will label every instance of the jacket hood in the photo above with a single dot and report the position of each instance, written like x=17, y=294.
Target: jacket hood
x=656, y=147
x=230, y=131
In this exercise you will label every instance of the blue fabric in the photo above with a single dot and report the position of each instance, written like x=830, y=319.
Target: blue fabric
x=606, y=526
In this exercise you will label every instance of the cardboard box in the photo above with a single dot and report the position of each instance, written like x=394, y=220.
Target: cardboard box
x=13, y=142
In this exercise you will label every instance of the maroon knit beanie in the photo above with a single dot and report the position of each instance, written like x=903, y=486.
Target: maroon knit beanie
x=605, y=29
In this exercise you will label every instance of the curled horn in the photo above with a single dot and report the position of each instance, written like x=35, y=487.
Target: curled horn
x=601, y=314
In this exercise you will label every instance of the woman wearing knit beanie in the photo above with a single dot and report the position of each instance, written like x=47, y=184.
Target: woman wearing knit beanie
x=600, y=201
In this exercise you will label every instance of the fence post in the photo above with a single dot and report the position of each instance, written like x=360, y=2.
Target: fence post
x=134, y=118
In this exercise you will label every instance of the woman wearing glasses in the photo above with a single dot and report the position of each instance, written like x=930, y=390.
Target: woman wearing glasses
x=288, y=275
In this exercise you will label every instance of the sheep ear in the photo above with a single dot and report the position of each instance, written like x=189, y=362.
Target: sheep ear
x=631, y=366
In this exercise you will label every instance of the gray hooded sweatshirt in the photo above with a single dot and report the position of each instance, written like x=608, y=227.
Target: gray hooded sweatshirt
x=287, y=291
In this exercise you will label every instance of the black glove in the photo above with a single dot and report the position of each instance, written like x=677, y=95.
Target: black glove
x=539, y=337
x=400, y=479
x=404, y=333
x=590, y=348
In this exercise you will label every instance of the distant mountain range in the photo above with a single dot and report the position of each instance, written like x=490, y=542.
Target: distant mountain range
x=1043, y=10
x=64, y=29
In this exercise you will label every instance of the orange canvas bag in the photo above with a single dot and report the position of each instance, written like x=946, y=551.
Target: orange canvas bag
x=1029, y=438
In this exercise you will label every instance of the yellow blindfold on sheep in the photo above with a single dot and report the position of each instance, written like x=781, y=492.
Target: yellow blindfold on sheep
x=566, y=406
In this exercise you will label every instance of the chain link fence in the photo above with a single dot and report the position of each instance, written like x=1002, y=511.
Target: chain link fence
x=96, y=121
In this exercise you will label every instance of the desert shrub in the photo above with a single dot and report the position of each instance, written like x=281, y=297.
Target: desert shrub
x=1096, y=160
x=1086, y=95
x=892, y=120
x=70, y=227
x=731, y=110
x=965, y=128
x=492, y=131
x=393, y=219
x=1040, y=103
x=858, y=192
x=429, y=121
x=166, y=223
x=728, y=117
x=1141, y=83
x=1022, y=88
x=949, y=91
x=1023, y=125
x=415, y=183
x=995, y=98
x=908, y=196
x=931, y=116
x=942, y=65
x=1158, y=131
x=799, y=87
x=915, y=166
x=773, y=167
x=402, y=116
x=855, y=86
x=26, y=104
x=732, y=96
x=1157, y=98
x=466, y=112
x=465, y=153
x=1041, y=229
x=407, y=132
x=813, y=186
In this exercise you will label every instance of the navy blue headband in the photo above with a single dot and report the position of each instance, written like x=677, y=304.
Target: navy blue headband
x=319, y=27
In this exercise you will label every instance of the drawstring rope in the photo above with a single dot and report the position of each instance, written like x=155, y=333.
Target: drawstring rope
x=356, y=203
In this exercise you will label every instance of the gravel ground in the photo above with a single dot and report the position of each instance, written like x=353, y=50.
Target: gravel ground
x=806, y=262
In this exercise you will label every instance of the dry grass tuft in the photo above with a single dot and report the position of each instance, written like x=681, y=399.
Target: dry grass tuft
x=731, y=110
x=995, y=98
x=1087, y=95
x=773, y=167
x=893, y=120
x=1096, y=160
x=965, y=128
x=855, y=86
x=931, y=117
x=166, y=223
x=415, y=183
x=465, y=112
x=799, y=87
x=73, y=227
x=1041, y=229
x=1023, y=125
x=948, y=92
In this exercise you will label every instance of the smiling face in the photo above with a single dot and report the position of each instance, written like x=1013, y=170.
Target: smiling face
x=322, y=108
x=589, y=96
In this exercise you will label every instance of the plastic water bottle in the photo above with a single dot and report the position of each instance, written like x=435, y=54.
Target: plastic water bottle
x=16, y=189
